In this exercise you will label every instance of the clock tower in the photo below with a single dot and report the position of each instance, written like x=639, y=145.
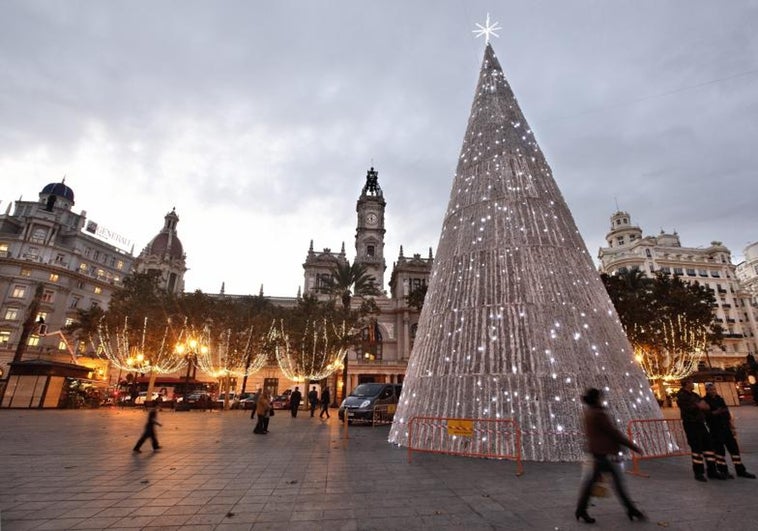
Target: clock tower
x=369, y=234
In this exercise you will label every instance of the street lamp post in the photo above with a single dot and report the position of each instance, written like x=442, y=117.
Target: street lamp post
x=189, y=349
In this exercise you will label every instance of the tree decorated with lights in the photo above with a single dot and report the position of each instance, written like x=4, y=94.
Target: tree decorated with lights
x=516, y=323
x=669, y=322
x=310, y=340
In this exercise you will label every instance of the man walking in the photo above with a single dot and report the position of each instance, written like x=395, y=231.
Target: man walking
x=295, y=399
x=313, y=399
x=325, y=399
x=720, y=423
x=693, y=408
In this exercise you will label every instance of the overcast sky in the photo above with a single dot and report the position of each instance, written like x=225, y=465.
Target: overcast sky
x=258, y=120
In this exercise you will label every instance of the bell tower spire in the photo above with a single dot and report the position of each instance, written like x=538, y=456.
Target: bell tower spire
x=369, y=234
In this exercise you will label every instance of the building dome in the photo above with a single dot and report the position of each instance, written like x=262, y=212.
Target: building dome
x=165, y=244
x=59, y=189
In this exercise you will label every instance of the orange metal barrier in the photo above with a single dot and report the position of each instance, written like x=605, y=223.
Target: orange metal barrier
x=489, y=438
x=657, y=438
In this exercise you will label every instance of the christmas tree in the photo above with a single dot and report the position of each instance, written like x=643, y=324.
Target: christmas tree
x=516, y=322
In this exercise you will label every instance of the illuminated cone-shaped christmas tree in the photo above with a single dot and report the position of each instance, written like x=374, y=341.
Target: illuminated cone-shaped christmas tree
x=516, y=322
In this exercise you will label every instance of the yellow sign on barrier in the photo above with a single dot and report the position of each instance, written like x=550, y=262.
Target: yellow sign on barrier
x=391, y=408
x=461, y=428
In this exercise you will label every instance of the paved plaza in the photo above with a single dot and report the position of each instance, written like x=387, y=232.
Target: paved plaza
x=74, y=469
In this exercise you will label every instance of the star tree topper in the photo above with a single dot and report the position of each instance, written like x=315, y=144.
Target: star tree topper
x=487, y=30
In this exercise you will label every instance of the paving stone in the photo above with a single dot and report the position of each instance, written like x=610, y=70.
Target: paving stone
x=301, y=476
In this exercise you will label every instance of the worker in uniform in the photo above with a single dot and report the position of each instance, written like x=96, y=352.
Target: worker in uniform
x=692, y=408
x=722, y=433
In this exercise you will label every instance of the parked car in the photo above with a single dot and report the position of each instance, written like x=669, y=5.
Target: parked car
x=222, y=397
x=281, y=402
x=247, y=401
x=360, y=403
x=198, y=400
x=142, y=398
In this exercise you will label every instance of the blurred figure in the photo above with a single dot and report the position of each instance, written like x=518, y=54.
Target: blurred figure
x=325, y=400
x=149, y=433
x=263, y=410
x=722, y=433
x=295, y=399
x=313, y=399
x=603, y=442
x=692, y=408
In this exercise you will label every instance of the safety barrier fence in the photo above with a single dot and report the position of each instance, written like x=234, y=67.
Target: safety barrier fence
x=383, y=414
x=489, y=438
x=657, y=438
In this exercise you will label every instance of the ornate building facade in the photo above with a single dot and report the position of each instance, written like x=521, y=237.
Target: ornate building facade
x=382, y=355
x=710, y=266
x=45, y=244
x=747, y=271
x=165, y=255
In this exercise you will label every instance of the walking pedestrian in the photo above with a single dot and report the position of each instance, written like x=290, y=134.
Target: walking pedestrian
x=263, y=410
x=325, y=399
x=722, y=433
x=313, y=399
x=604, y=441
x=149, y=432
x=692, y=408
x=295, y=399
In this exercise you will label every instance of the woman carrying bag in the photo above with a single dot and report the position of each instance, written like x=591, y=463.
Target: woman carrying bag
x=603, y=441
x=262, y=409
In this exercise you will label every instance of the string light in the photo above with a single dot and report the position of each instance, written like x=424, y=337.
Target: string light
x=315, y=355
x=131, y=349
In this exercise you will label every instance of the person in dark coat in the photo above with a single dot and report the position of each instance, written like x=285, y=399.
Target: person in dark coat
x=692, y=409
x=720, y=425
x=325, y=400
x=295, y=398
x=313, y=399
x=149, y=433
x=603, y=441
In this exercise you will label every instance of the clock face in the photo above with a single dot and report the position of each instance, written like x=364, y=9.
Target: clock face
x=371, y=218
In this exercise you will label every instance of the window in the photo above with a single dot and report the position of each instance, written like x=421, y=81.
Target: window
x=87, y=251
x=48, y=295
x=54, y=277
x=26, y=272
x=666, y=270
x=11, y=314
x=83, y=267
x=19, y=292
x=690, y=272
x=41, y=315
x=5, y=337
x=98, y=290
x=33, y=340
x=74, y=302
x=702, y=272
x=96, y=256
x=3, y=249
x=39, y=235
x=59, y=258
x=69, y=321
x=62, y=345
x=100, y=274
x=678, y=271
x=715, y=274
x=648, y=253
x=370, y=250
x=120, y=265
